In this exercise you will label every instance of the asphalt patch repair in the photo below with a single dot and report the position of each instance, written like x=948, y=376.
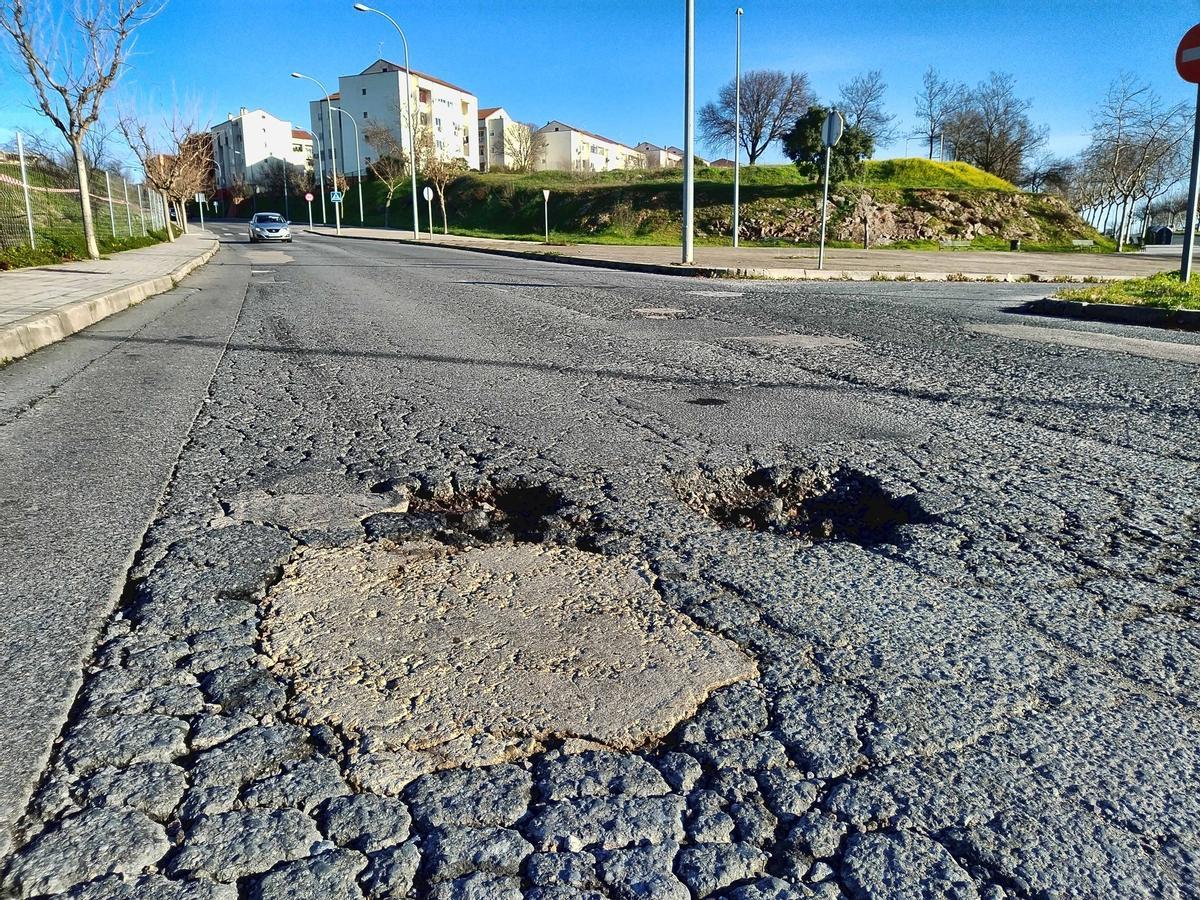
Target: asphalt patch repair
x=468, y=631
x=812, y=503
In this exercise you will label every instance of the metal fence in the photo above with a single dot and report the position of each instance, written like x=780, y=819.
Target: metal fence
x=39, y=203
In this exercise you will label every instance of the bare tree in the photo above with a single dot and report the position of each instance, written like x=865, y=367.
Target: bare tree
x=438, y=171
x=1048, y=174
x=991, y=128
x=772, y=102
x=177, y=158
x=523, y=146
x=1137, y=147
x=939, y=100
x=390, y=164
x=280, y=176
x=860, y=101
x=72, y=68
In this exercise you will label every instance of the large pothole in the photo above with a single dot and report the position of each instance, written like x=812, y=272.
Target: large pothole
x=434, y=655
x=815, y=504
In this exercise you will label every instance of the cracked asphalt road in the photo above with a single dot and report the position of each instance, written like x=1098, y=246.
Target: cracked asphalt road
x=999, y=700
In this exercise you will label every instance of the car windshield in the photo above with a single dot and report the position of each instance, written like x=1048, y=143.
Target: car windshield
x=268, y=219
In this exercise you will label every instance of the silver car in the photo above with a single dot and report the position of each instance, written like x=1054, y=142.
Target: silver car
x=268, y=226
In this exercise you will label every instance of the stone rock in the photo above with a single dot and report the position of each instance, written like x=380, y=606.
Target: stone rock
x=365, y=822
x=153, y=887
x=329, y=876
x=607, y=823
x=495, y=796
x=302, y=787
x=753, y=754
x=390, y=872
x=755, y=823
x=207, y=801
x=818, y=833
x=681, y=771
x=388, y=772
x=211, y=730
x=599, y=774
x=905, y=866
x=98, y=841
x=334, y=506
x=153, y=788
x=737, y=711
x=769, y=889
x=251, y=754
x=454, y=851
x=231, y=845
x=478, y=887
x=123, y=741
x=707, y=868
x=444, y=622
x=788, y=794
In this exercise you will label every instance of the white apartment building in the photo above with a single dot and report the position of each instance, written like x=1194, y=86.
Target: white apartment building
x=569, y=149
x=376, y=96
x=243, y=145
x=496, y=130
x=660, y=157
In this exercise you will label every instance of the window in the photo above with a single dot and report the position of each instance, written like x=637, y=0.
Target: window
x=364, y=113
x=423, y=95
x=364, y=92
x=437, y=123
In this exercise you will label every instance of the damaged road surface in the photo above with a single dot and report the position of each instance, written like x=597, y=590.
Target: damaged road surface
x=468, y=577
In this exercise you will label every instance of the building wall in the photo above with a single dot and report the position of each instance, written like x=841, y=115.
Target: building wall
x=243, y=144
x=567, y=149
x=494, y=134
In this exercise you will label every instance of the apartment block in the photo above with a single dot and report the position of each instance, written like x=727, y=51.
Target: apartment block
x=244, y=145
x=376, y=96
x=570, y=149
x=660, y=157
x=498, y=134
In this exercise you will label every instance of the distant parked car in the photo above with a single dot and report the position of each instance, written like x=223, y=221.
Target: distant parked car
x=269, y=226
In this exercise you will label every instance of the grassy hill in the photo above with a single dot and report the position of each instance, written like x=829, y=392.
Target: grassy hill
x=907, y=203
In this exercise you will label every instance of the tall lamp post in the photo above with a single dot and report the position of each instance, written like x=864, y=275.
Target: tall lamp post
x=412, y=132
x=358, y=156
x=337, y=207
x=321, y=176
x=689, y=131
x=737, y=121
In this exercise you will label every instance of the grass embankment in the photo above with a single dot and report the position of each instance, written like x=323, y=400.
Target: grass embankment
x=59, y=249
x=1164, y=290
x=915, y=203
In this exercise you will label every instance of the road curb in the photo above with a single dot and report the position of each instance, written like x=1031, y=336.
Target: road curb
x=1151, y=316
x=734, y=272
x=24, y=337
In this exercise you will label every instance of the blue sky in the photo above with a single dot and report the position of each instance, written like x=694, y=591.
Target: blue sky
x=615, y=66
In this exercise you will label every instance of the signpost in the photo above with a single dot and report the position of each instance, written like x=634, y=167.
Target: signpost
x=831, y=133
x=200, y=206
x=335, y=196
x=308, y=198
x=1187, y=63
x=546, y=211
x=428, y=195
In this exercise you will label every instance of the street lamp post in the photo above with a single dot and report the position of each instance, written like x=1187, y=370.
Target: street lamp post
x=689, y=131
x=412, y=132
x=321, y=176
x=358, y=156
x=337, y=207
x=737, y=122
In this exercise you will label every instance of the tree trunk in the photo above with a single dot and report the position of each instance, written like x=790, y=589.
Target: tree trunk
x=85, y=199
x=181, y=210
x=442, y=204
x=166, y=212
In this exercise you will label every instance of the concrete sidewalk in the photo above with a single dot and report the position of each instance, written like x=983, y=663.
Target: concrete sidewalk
x=801, y=262
x=39, y=306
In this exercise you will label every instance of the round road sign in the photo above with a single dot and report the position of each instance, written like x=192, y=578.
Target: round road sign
x=1187, y=57
x=308, y=197
x=428, y=193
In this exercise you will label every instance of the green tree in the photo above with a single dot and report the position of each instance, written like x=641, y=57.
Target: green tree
x=802, y=145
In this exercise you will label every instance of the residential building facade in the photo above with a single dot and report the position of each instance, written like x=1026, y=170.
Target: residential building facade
x=569, y=149
x=660, y=157
x=245, y=145
x=499, y=135
x=376, y=96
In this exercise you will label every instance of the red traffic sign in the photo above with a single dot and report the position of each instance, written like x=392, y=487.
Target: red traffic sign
x=1187, y=57
x=308, y=197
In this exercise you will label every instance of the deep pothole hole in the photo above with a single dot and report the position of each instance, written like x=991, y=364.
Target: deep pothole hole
x=482, y=515
x=814, y=504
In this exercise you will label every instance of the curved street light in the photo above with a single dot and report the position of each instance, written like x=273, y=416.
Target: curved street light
x=412, y=133
x=358, y=155
x=737, y=122
x=337, y=212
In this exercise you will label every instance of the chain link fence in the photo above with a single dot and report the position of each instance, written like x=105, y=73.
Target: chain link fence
x=40, y=204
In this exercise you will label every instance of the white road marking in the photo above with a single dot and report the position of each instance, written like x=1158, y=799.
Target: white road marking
x=715, y=293
x=1093, y=340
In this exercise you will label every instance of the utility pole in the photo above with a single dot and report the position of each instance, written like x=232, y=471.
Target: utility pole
x=689, y=132
x=737, y=122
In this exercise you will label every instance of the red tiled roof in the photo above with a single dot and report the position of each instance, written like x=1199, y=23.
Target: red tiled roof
x=302, y=134
x=397, y=68
x=484, y=113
